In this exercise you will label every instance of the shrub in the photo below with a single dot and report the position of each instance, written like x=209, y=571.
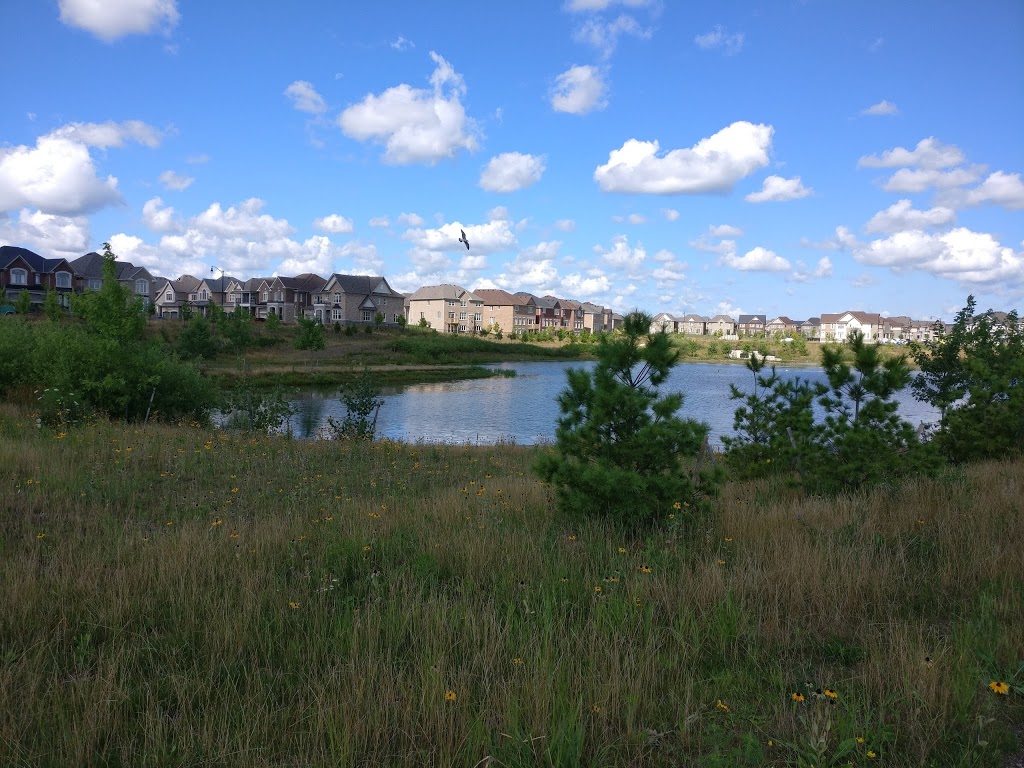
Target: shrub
x=362, y=404
x=310, y=334
x=619, y=445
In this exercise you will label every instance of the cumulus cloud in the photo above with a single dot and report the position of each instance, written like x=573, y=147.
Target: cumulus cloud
x=579, y=90
x=66, y=236
x=415, y=125
x=1005, y=189
x=603, y=34
x=410, y=220
x=908, y=180
x=486, y=238
x=245, y=221
x=968, y=257
x=400, y=43
x=577, y=6
x=776, y=189
x=670, y=213
x=511, y=171
x=721, y=39
x=57, y=176
x=380, y=222
x=498, y=213
x=175, y=181
x=621, y=254
x=565, y=225
x=714, y=164
x=822, y=270
x=756, y=260
x=929, y=153
x=333, y=223
x=305, y=98
x=111, y=19
x=158, y=218
x=902, y=215
x=725, y=230
x=881, y=108
x=637, y=218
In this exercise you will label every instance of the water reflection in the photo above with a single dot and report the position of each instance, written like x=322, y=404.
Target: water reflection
x=524, y=410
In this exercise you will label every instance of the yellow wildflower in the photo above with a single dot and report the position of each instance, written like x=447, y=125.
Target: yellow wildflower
x=998, y=687
x=450, y=696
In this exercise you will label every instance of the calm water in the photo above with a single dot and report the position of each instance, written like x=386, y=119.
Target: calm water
x=523, y=409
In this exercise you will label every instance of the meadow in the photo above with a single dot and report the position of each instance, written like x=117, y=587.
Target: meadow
x=176, y=596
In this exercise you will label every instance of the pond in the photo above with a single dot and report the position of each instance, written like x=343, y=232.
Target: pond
x=523, y=409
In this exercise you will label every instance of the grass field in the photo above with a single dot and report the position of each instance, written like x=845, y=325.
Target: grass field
x=180, y=597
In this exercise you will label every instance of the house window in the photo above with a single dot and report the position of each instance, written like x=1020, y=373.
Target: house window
x=462, y=315
x=395, y=317
x=265, y=295
x=462, y=329
x=279, y=296
x=421, y=316
x=203, y=295
x=367, y=316
x=463, y=302
x=63, y=279
x=336, y=315
x=479, y=316
x=169, y=296
x=19, y=277
x=451, y=303
x=337, y=298
x=95, y=284
x=451, y=315
x=142, y=286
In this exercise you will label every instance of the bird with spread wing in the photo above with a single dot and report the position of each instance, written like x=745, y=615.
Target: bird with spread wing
x=464, y=239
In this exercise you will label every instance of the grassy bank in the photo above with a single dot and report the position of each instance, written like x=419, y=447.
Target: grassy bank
x=182, y=597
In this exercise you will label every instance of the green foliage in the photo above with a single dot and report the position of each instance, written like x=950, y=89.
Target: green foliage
x=23, y=304
x=311, y=334
x=619, y=445
x=273, y=322
x=252, y=410
x=113, y=312
x=423, y=323
x=237, y=332
x=187, y=311
x=197, y=340
x=378, y=319
x=16, y=341
x=362, y=404
x=51, y=306
x=774, y=415
x=402, y=322
x=974, y=375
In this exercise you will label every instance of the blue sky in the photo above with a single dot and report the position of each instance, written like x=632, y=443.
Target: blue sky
x=791, y=157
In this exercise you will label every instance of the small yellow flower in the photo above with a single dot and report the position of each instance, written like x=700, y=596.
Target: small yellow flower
x=328, y=518
x=998, y=687
x=169, y=523
x=366, y=548
x=677, y=505
x=871, y=754
x=721, y=705
x=234, y=490
x=597, y=590
x=217, y=522
x=40, y=535
x=450, y=696
x=233, y=535
x=571, y=537
x=831, y=694
x=622, y=550
x=517, y=661
x=595, y=709
x=671, y=516
x=645, y=569
x=293, y=605
x=771, y=743
x=860, y=739
x=721, y=562
x=797, y=697
x=728, y=539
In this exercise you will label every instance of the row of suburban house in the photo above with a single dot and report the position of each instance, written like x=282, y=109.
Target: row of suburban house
x=446, y=308
x=827, y=327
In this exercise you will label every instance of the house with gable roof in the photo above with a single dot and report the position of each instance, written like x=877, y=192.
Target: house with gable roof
x=25, y=270
x=138, y=280
x=172, y=295
x=447, y=308
x=722, y=325
x=694, y=325
x=356, y=299
x=837, y=327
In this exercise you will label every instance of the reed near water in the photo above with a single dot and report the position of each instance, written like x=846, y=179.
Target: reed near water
x=178, y=596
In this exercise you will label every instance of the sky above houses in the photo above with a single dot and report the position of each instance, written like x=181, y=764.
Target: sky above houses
x=793, y=157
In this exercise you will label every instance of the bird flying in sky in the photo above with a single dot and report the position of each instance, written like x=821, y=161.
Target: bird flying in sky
x=464, y=239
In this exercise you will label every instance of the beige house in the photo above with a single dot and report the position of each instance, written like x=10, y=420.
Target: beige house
x=694, y=325
x=292, y=297
x=837, y=327
x=593, y=317
x=781, y=324
x=723, y=324
x=172, y=295
x=508, y=311
x=663, y=321
x=447, y=309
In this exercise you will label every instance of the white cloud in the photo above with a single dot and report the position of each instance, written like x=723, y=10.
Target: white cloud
x=779, y=190
x=881, y=108
x=902, y=215
x=1000, y=188
x=305, y=97
x=498, y=213
x=908, y=180
x=46, y=234
x=720, y=38
x=57, y=176
x=110, y=134
x=823, y=269
x=333, y=223
x=637, y=218
x=714, y=164
x=576, y=6
x=486, y=238
x=410, y=220
x=929, y=153
x=756, y=260
x=158, y=218
x=402, y=44
x=473, y=262
x=621, y=254
x=197, y=159
x=511, y=171
x=670, y=213
x=416, y=125
x=723, y=246
x=960, y=254
x=725, y=230
x=579, y=90
x=111, y=19
x=664, y=256
x=604, y=35
x=245, y=221
x=380, y=222
x=565, y=225
x=174, y=181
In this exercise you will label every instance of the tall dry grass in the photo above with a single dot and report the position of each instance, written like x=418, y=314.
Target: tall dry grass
x=181, y=597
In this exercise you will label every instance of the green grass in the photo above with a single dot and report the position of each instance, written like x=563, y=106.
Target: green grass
x=150, y=576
